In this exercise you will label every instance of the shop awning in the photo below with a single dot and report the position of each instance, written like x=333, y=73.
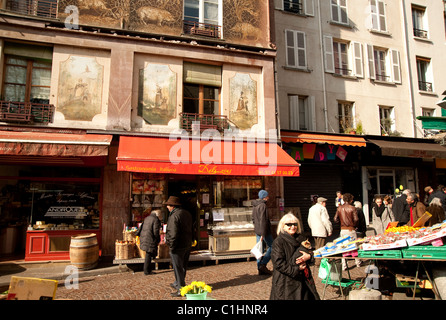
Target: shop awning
x=410, y=149
x=341, y=140
x=195, y=156
x=14, y=143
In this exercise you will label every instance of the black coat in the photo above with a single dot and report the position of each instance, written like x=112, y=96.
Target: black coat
x=149, y=234
x=438, y=194
x=179, y=230
x=260, y=218
x=401, y=210
x=290, y=283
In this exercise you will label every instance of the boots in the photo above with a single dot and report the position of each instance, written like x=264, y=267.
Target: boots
x=263, y=270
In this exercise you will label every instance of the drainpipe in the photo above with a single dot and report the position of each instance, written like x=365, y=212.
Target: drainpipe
x=409, y=69
x=324, y=89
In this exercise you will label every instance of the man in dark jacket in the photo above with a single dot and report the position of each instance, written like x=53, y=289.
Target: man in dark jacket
x=149, y=235
x=400, y=208
x=262, y=229
x=179, y=240
x=440, y=194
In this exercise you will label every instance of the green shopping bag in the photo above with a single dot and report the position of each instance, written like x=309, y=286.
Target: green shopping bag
x=324, y=269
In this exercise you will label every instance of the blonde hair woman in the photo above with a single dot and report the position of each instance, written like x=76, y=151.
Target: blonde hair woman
x=292, y=279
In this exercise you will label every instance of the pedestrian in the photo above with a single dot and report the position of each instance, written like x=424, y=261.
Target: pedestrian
x=292, y=278
x=179, y=240
x=381, y=215
x=400, y=208
x=347, y=216
x=362, y=225
x=339, y=200
x=427, y=192
x=262, y=229
x=149, y=237
x=439, y=193
x=416, y=207
x=319, y=222
x=437, y=212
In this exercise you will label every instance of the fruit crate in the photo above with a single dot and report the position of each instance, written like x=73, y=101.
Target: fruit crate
x=424, y=252
x=389, y=254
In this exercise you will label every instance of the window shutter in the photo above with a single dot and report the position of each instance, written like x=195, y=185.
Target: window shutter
x=382, y=16
x=374, y=14
x=371, y=61
x=357, y=59
x=290, y=49
x=279, y=4
x=294, y=112
x=312, y=113
x=328, y=53
x=309, y=7
x=301, y=52
x=396, y=72
x=202, y=74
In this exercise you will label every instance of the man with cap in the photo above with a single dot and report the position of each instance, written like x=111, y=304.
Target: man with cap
x=179, y=239
x=319, y=222
x=262, y=229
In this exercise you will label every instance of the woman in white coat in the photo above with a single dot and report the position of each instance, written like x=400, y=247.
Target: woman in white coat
x=319, y=222
x=381, y=215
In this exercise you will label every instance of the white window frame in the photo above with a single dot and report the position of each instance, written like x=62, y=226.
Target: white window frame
x=309, y=111
x=392, y=64
x=201, y=11
x=426, y=75
x=383, y=112
x=336, y=5
x=354, y=56
x=378, y=15
x=420, y=23
x=297, y=47
x=341, y=117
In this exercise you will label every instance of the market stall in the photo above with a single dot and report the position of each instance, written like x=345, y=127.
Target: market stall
x=414, y=244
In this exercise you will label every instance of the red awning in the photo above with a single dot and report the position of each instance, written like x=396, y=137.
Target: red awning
x=194, y=156
x=14, y=143
x=342, y=140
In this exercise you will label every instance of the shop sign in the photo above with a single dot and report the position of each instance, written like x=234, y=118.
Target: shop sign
x=66, y=212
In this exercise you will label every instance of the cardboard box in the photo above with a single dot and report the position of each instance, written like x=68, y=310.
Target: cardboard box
x=23, y=288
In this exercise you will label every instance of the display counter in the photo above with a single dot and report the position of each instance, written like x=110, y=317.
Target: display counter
x=51, y=244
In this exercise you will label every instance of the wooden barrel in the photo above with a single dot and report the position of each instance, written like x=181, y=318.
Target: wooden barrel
x=84, y=251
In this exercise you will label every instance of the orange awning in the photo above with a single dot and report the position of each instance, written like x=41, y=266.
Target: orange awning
x=342, y=140
x=195, y=156
x=14, y=143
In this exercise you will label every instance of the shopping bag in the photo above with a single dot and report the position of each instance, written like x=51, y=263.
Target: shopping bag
x=324, y=269
x=257, y=250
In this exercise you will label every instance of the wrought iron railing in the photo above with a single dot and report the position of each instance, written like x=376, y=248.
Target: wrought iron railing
x=26, y=112
x=420, y=33
x=343, y=71
x=293, y=6
x=425, y=86
x=38, y=8
x=201, y=29
x=382, y=77
x=188, y=122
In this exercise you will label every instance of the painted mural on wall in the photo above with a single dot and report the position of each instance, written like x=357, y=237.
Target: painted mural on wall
x=154, y=16
x=243, y=101
x=80, y=88
x=157, y=94
x=242, y=21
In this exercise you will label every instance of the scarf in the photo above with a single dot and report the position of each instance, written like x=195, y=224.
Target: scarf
x=379, y=210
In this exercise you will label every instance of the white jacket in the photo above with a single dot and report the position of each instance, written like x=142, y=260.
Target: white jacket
x=319, y=221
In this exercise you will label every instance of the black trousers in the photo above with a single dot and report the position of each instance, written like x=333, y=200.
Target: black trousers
x=180, y=259
x=148, y=263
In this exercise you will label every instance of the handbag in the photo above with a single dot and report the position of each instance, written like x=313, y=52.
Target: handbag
x=257, y=250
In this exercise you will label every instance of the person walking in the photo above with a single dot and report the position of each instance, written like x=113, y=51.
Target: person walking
x=319, y=222
x=347, y=216
x=292, y=278
x=149, y=237
x=361, y=228
x=400, y=208
x=179, y=240
x=381, y=215
x=262, y=229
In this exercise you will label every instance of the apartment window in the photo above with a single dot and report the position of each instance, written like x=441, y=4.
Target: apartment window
x=201, y=99
x=378, y=15
x=384, y=64
x=343, y=57
x=204, y=11
x=339, y=11
x=294, y=6
x=386, y=119
x=346, y=117
x=302, y=112
x=26, y=79
x=424, y=74
x=419, y=23
x=425, y=112
x=295, y=49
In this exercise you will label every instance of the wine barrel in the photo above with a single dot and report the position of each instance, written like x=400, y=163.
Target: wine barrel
x=84, y=251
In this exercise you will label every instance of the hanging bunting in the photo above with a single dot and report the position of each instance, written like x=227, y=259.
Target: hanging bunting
x=341, y=153
x=321, y=153
x=309, y=150
x=331, y=152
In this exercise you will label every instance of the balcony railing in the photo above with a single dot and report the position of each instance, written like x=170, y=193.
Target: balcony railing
x=425, y=86
x=26, y=112
x=292, y=6
x=206, y=121
x=420, y=33
x=382, y=77
x=201, y=29
x=38, y=8
x=343, y=71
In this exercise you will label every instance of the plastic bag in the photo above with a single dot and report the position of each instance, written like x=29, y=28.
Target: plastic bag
x=324, y=269
x=257, y=250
